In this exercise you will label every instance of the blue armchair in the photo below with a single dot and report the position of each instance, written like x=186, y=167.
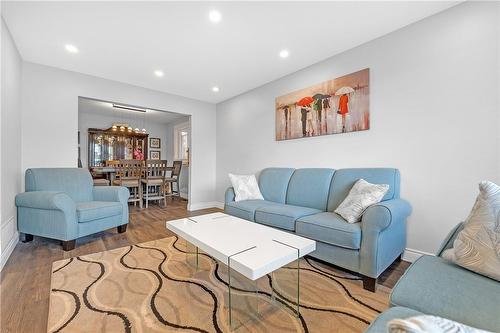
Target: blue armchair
x=62, y=203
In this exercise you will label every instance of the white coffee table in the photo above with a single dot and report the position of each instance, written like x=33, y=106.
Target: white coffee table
x=249, y=248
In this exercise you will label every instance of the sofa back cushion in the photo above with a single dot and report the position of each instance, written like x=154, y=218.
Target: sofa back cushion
x=75, y=182
x=273, y=183
x=344, y=179
x=309, y=188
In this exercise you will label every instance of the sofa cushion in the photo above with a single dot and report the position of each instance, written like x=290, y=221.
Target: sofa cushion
x=433, y=285
x=344, y=179
x=245, y=209
x=282, y=216
x=330, y=228
x=309, y=188
x=94, y=210
x=273, y=183
x=379, y=325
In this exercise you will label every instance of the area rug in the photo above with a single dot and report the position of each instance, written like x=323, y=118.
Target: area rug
x=154, y=287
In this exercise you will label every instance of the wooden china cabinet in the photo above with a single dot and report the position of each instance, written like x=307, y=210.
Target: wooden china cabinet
x=115, y=144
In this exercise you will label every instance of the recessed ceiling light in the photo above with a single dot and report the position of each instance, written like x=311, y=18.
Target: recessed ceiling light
x=284, y=53
x=158, y=73
x=214, y=16
x=215, y=89
x=71, y=48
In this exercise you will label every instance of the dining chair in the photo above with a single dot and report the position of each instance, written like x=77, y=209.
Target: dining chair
x=174, y=178
x=129, y=174
x=154, y=181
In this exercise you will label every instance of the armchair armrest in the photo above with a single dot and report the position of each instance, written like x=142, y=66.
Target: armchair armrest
x=111, y=193
x=229, y=197
x=380, y=216
x=49, y=200
x=383, y=235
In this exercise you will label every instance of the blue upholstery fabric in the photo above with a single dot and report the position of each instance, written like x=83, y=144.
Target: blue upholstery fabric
x=229, y=195
x=383, y=230
x=282, y=216
x=436, y=286
x=450, y=238
x=330, y=228
x=398, y=312
x=368, y=247
x=94, y=210
x=273, y=183
x=344, y=179
x=57, y=199
x=245, y=209
x=76, y=183
x=309, y=188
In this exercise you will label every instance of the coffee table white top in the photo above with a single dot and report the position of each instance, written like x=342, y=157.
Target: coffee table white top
x=254, y=250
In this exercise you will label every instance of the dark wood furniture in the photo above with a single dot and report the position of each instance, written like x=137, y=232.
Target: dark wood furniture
x=114, y=144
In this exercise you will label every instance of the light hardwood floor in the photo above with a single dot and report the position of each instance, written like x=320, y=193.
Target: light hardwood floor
x=25, y=280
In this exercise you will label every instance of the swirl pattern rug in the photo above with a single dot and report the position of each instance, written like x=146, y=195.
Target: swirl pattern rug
x=153, y=287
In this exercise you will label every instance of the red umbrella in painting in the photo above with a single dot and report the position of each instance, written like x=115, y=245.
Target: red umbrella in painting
x=305, y=101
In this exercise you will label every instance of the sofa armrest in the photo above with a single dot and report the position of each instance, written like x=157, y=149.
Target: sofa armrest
x=229, y=197
x=49, y=200
x=450, y=238
x=383, y=235
x=111, y=193
x=380, y=216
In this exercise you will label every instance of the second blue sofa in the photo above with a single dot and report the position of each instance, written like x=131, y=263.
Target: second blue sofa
x=303, y=200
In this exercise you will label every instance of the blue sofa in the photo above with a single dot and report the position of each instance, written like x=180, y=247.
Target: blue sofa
x=302, y=201
x=63, y=204
x=435, y=286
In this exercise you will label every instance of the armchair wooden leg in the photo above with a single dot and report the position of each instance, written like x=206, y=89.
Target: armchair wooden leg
x=25, y=238
x=122, y=228
x=369, y=283
x=399, y=258
x=68, y=245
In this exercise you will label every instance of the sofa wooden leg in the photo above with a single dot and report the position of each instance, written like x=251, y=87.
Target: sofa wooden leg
x=25, y=238
x=399, y=258
x=122, y=228
x=369, y=283
x=68, y=245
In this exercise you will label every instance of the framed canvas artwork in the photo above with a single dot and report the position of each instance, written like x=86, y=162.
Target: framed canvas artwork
x=154, y=143
x=336, y=106
x=154, y=155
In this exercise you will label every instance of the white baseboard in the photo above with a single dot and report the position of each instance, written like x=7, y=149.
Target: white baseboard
x=411, y=254
x=10, y=236
x=204, y=205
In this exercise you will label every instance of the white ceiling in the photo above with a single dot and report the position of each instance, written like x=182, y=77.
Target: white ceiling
x=127, y=41
x=102, y=108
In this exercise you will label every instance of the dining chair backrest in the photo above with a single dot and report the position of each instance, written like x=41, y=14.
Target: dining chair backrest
x=176, y=170
x=129, y=169
x=156, y=169
x=111, y=163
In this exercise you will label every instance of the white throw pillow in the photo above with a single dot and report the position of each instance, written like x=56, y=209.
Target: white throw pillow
x=245, y=187
x=477, y=245
x=429, y=324
x=361, y=196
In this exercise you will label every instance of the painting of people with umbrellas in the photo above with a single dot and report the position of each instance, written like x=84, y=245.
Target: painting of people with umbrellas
x=336, y=106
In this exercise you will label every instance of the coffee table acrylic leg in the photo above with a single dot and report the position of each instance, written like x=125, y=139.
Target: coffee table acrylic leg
x=192, y=255
x=286, y=284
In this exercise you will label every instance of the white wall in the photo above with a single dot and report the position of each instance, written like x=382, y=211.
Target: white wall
x=434, y=115
x=10, y=143
x=50, y=121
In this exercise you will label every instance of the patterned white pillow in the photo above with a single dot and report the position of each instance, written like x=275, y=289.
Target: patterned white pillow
x=361, y=196
x=477, y=245
x=245, y=187
x=429, y=324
